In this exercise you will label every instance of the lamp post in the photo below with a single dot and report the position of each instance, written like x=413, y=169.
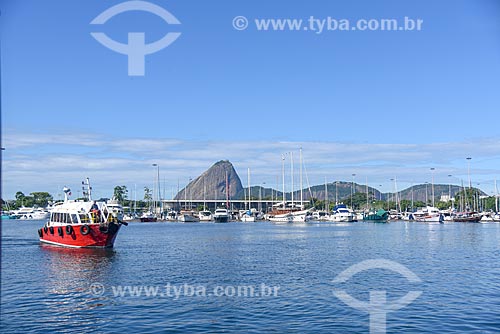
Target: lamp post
x=157, y=185
x=260, y=196
x=432, y=185
x=352, y=189
x=468, y=170
x=426, y=194
x=449, y=191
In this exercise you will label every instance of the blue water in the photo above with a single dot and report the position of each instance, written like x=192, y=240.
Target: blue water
x=47, y=289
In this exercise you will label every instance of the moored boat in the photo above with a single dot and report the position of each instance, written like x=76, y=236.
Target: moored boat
x=428, y=214
x=341, y=213
x=378, y=216
x=148, y=217
x=467, y=217
x=81, y=223
x=171, y=216
x=188, y=217
x=30, y=214
x=205, y=216
x=221, y=216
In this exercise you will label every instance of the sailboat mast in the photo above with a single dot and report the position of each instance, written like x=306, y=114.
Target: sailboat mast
x=326, y=196
x=283, y=177
x=291, y=171
x=496, y=197
x=301, y=185
x=249, y=189
x=204, y=195
x=227, y=191
x=367, y=203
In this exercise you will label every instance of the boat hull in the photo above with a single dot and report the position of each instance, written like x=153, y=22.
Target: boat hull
x=80, y=236
x=221, y=219
x=148, y=219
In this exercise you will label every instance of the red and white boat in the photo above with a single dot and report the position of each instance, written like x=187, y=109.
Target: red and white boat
x=82, y=223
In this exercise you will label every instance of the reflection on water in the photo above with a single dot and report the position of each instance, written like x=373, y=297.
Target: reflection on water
x=68, y=268
x=47, y=289
x=69, y=272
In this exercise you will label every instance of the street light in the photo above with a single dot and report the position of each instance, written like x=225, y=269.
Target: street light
x=449, y=190
x=468, y=176
x=468, y=170
x=352, y=189
x=432, y=185
x=426, y=194
x=157, y=185
x=393, y=198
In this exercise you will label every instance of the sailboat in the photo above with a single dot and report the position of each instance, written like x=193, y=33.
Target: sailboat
x=205, y=215
x=292, y=213
x=247, y=216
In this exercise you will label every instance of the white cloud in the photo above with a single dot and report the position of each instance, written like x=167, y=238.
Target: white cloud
x=36, y=162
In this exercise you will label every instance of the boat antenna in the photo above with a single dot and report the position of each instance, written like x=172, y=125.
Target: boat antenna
x=87, y=193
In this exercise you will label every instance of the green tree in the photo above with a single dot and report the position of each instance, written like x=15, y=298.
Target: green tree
x=41, y=198
x=148, y=194
x=467, y=198
x=120, y=193
x=23, y=200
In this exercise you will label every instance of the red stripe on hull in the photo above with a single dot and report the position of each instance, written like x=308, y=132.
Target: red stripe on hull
x=95, y=237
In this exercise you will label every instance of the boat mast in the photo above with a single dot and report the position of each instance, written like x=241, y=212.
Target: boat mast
x=227, y=191
x=367, y=204
x=89, y=189
x=301, y=185
x=291, y=172
x=326, y=196
x=249, y=189
x=204, y=196
x=283, y=177
x=496, y=197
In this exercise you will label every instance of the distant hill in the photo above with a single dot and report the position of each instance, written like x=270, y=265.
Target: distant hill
x=421, y=192
x=211, y=184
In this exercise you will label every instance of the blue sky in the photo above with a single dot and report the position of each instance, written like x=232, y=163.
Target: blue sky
x=375, y=103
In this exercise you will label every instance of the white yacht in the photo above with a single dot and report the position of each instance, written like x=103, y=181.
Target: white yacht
x=25, y=213
x=188, y=217
x=427, y=214
x=320, y=216
x=205, y=216
x=171, y=216
x=341, y=213
x=221, y=216
x=115, y=209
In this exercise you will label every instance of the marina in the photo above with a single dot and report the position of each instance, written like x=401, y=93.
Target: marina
x=457, y=265
x=308, y=167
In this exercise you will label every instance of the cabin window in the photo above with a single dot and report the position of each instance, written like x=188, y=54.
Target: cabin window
x=52, y=216
x=84, y=218
x=74, y=218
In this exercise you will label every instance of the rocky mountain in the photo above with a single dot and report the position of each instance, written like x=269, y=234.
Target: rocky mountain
x=211, y=184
